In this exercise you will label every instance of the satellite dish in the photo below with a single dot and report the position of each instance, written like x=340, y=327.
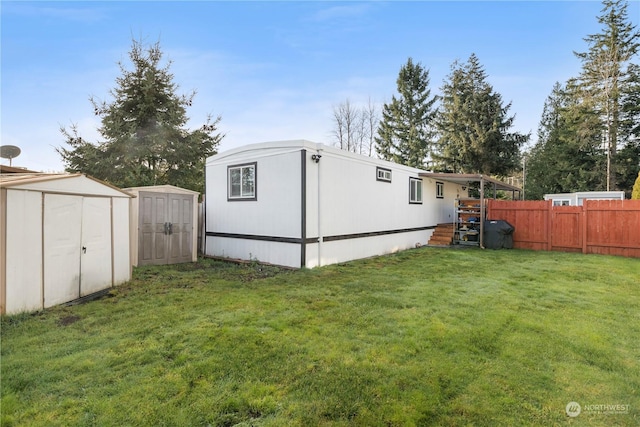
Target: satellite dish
x=9, y=152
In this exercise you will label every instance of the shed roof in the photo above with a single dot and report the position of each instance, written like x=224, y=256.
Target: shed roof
x=161, y=189
x=37, y=181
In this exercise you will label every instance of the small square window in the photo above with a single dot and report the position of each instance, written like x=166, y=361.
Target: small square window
x=440, y=190
x=415, y=190
x=383, y=174
x=241, y=182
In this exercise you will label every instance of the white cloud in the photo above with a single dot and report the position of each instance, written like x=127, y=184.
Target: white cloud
x=341, y=12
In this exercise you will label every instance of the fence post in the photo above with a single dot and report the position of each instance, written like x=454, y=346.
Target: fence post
x=583, y=218
x=549, y=223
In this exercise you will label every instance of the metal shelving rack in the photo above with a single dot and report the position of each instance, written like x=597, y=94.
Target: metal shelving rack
x=469, y=214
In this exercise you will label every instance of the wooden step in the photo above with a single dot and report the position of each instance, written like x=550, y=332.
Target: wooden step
x=442, y=235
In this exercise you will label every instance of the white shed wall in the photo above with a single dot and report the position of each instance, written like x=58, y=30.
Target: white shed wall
x=24, y=251
x=35, y=225
x=121, y=248
x=81, y=185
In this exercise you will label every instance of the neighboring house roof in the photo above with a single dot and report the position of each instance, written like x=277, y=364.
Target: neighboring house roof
x=29, y=179
x=13, y=169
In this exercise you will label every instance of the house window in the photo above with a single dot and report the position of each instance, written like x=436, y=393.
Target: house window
x=561, y=202
x=440, y=190
x=415, y=190
x=383, y=174
x=241, y=182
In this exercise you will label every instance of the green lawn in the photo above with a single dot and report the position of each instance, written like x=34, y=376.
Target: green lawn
x=425, y=337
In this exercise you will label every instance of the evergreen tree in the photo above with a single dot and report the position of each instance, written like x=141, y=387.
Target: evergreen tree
x=145, y=139
x=568, y=156
x=474, y=125
x=406, y=130
x=604, y=71
x=626, y=164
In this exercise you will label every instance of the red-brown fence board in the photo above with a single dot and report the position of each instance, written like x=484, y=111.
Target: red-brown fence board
x=566, y=228
x=529, y=218
x=613, y=227
x=599, y=226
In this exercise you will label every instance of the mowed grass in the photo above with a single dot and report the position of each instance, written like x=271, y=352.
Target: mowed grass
x=425, y=337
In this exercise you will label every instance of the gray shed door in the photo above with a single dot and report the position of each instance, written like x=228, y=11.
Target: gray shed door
x=165, y=228
x=77, y=247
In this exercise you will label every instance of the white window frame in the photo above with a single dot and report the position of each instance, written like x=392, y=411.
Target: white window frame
x=439, y=190
x=415, y=191
x=561, y=202
x=383, y=174
x=248, y=189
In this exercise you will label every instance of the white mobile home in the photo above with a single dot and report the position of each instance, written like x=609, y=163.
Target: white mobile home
x=302, y=204
x=577, y=199
x=63, y=237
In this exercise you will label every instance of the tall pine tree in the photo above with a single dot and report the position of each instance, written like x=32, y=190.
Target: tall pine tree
x=568, y=155
x=626, y=164
x=604, y=75
x=406, y=131
x=145, y=141
x=474, y=125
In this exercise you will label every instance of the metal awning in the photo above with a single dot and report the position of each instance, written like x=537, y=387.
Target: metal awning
x=468, y=178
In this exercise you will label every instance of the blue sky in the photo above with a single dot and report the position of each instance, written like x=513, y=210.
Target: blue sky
x=274, y=70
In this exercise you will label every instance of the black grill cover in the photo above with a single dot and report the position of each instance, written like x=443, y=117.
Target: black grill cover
x=498, y=234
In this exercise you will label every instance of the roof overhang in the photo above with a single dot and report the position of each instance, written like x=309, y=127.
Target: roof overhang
x=467, y=178
x=16, y=180
x=4, y=169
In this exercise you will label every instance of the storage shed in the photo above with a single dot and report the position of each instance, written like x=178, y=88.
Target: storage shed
x=164, y=221
x=303, y=204
x=63, y=237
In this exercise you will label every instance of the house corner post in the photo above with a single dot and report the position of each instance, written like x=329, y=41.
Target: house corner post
x=3, y=251
x=303, y=208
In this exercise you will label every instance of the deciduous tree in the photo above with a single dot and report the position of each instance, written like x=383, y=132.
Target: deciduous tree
x=635, y=195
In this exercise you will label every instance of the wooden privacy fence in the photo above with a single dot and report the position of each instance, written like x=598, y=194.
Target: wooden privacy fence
x=598, y=227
